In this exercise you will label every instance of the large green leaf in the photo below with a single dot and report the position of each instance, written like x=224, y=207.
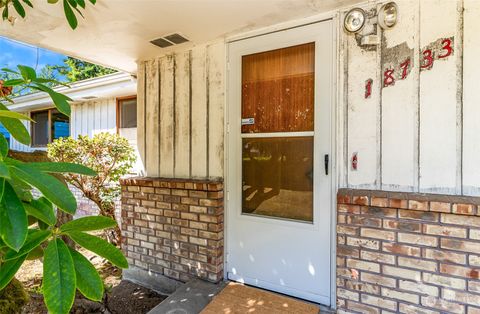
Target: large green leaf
x=7, y=70
x=9, y=269
x=14, y=82
x=13, y=115
x=41, y=209
x=13, y=219
x=16, y=128
x=27, y=72
x=22, y=189
x=71, y=18
x=100, y=247
x=59, y=279
x=89, y=282
x=2, y=187
x=19, y=8
x=89, y=223
x=3, y=146
x=54, y=190
x=4, y=172
x=34, y=239
x=62, y=167
x=60, y=100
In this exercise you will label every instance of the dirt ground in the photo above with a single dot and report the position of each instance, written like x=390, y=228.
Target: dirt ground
x=120, y=297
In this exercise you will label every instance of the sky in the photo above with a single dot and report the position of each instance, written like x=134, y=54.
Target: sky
x=13, y=53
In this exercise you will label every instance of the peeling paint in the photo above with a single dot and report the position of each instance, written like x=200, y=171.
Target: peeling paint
x=440, y=50
x=398, y=58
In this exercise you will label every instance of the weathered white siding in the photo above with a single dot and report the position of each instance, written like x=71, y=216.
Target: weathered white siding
x=93, y=117
x=422, y=132
x=90, y=118
x=181, y=113
x=87, y=118
x=471, y=98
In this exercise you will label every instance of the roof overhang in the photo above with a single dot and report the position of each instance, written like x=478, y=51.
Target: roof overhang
x=112, y=85
x=117, y=33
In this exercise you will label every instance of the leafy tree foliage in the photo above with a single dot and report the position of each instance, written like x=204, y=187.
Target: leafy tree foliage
x=69, y=8
x=109, y=155
x=75, y=70
x=28, y=227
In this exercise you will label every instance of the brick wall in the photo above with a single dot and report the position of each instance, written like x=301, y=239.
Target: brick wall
x=174, y=227
x=407, y=253
x=85, y=207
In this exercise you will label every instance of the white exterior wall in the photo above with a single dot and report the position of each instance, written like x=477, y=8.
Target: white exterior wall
x=421, y=134
x=94, y=116
x=90, y=118
x=181, y=113
x=87, y=118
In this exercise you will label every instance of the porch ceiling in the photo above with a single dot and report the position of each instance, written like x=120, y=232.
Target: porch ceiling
x=116, y=33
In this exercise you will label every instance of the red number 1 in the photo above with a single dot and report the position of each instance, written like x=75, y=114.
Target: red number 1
x=368, y=88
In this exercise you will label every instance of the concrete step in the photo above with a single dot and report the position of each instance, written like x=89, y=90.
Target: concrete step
x=190, y=298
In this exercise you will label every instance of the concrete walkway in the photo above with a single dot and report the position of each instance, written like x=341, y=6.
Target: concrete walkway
x=191, y=298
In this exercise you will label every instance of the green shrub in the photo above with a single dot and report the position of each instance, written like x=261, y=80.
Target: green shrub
x=110, y=156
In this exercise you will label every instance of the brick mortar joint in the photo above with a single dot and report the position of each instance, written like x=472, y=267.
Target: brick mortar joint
x=414, y=196
x=447, y=204
x=211, y=184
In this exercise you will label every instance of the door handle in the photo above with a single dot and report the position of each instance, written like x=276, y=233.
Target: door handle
x=326, y=160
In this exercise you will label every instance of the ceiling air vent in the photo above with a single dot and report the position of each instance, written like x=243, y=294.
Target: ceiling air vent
x=169, y=40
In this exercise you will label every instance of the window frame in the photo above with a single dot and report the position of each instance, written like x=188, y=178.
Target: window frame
x=119, y=111
x=49, y=122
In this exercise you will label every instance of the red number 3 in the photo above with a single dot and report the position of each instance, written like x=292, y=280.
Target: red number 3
x=447, y=45
x=427, y=58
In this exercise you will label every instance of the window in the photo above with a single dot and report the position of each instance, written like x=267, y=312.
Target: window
x=49, y=125
x=278, y=98
x=127, y=112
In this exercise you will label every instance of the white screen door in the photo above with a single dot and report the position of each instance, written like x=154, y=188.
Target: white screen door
x=279, y=185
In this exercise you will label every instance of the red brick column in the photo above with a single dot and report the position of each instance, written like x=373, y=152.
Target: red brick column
x=174, y=227
x=408, y=253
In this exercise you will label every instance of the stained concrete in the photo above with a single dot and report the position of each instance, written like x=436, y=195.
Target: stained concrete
x=151, y=280
x=191, y=298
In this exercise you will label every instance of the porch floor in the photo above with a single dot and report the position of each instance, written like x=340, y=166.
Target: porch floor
x=236, y=298
x=198, y=296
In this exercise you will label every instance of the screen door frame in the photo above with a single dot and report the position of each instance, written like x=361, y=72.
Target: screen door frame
x=285, y=38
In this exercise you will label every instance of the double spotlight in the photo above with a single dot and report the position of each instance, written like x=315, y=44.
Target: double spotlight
x=355, y=19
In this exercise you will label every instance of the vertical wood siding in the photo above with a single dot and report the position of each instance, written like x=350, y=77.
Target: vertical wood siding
x=183, y=113
x=471, y=99
x=400, y=107
x=427, y=137
x=87, y=118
